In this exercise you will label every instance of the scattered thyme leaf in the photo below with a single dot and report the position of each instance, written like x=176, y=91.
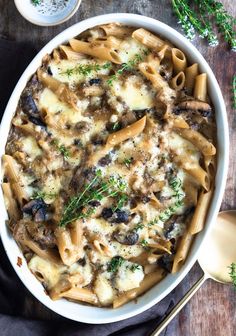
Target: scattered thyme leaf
x=128, y=66
x=127, y=162
x=138, y=227
x=234, y=91
x=232, y=273
x=64, y=151
x=135, y=267
x=115, y=263
x=36, y=2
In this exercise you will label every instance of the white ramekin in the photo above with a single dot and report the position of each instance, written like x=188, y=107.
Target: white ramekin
x=29, y=12
x=88, y=314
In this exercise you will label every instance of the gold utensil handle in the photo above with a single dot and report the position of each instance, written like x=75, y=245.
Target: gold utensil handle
x=179, y=306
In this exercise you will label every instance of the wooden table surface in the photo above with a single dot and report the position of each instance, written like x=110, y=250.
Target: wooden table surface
x=212, y=311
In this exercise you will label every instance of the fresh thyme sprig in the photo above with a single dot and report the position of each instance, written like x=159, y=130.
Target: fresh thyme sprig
x=232, y=273
x=80, y=206
x=130, y=65
x=234, y=91
x=85, y=69
x=176, y=184
x=224, y=21
x=202, y=18
x=189, y=20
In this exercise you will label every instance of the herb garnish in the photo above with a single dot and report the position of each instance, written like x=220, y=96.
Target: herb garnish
x=144, y=243
x=176, y=184
x=232, y=273
x=138, y=227
x=36, y=2
x=80, y=206
x=115, y=263
x=135, y=267
x=234, y=92
x=121, y=200
x=128, y=162
x=85, y=69
x=61, y=148
x=201, y=19
x=128, y=66
x=116, y=126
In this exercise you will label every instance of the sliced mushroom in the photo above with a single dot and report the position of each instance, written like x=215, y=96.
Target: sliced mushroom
x=37, y=209
x=128, y=238
x=28, y=106
x=194, y=105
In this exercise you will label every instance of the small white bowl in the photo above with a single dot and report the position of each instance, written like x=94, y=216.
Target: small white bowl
x=38, y=16
x=89, y=314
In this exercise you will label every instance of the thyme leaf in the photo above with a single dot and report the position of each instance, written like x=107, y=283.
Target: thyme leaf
x=115, y=263
x=232, y=273
x=234, y=92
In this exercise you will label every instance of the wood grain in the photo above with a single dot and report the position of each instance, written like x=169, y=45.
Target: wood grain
x=212, y=311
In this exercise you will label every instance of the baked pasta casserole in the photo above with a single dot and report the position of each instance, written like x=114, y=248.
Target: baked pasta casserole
x=109, y=165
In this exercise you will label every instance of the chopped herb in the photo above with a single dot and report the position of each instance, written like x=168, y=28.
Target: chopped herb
x=61, y=148
x=130, y=65
x=64, y=151
x=232, y=273
x=234, y=92
x=138, y=227
x=144, y=243
x=43, y=194
x=85, y=69
x=128, y=162
x=121, y=200
x=135, y=267
x=176, y=184
x=115, y=263
x=116, y=126
x=36, y=2
x=81, y=205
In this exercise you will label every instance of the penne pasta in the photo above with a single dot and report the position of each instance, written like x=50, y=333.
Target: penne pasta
x=177, y=82
x=200, y=87
x=126, y=133
x=182, y=251
x=191, y=73
x=99, y=50
x=60, y=89
x=70, y=54
x=200, y=213
x=179, y=60
x=198, y=140
x=150, y=40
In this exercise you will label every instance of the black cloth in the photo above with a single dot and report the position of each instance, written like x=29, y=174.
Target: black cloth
x=20, y=313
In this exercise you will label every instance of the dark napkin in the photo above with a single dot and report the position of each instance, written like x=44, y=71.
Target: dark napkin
x=20, y=313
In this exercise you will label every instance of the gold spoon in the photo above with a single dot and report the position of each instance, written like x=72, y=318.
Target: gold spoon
x=216, y=255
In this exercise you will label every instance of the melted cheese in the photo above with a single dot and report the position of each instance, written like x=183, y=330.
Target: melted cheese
x=30, y=147
x=46, y=271
x=104, y=290
x=126, y=278
x=136, y=96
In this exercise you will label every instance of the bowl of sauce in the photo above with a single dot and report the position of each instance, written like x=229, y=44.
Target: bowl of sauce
x=47, y=12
